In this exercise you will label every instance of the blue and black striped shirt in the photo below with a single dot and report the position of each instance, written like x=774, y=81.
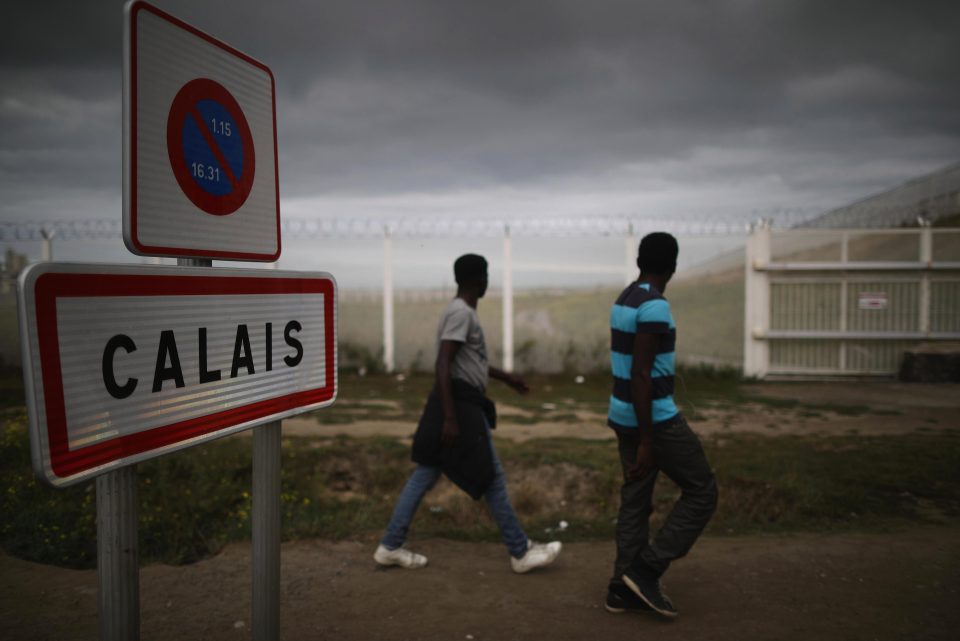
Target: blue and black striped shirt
x=641, y=308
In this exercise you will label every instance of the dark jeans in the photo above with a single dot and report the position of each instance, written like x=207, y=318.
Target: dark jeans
x=678, y=453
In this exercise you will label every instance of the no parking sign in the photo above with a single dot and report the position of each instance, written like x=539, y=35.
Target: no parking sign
x=210, y=147
x=200, y=147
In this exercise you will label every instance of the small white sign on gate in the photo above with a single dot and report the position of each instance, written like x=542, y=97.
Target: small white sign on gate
x=872, y=300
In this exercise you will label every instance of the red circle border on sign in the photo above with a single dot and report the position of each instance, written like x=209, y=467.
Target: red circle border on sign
x=183, y=103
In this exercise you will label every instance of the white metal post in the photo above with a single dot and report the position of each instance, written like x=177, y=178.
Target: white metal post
x=926, y=257
x=388, y=350
x=507, y=300
x=46, y=252
x=844, y=293
x=630, y=263
x=756, y=352
x=265, y=525
x=264, y=520
x=118, y=564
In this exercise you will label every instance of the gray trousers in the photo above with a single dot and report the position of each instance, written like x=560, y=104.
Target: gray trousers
x=678, y=453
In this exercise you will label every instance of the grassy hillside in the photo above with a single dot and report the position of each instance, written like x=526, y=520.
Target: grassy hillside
x=553, y=331
x=9, y=332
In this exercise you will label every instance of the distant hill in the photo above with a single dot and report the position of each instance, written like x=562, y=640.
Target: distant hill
x=934, y=197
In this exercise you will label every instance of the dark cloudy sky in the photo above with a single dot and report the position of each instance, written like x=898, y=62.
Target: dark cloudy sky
x=512, y=108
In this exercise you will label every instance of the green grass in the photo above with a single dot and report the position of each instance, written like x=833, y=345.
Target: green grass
x=565, y=332
x=709, y=317
x=194, y=502
x=11, y=386
x=553, y=332
x=9, y=332
x=803, y=483
x=11, y=389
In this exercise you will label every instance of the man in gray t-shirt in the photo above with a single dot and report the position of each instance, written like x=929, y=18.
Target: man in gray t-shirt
x=462, y=356
x=460, y=324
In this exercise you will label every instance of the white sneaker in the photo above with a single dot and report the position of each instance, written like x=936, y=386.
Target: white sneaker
x=538, y=555
x=401, y=556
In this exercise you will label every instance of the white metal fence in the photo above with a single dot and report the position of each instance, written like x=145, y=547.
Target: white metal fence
x=818, y=301
x=387, y=230
x=847, y=302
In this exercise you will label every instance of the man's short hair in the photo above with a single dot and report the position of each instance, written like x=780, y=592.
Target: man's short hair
x=469, y=269
x=658, y=253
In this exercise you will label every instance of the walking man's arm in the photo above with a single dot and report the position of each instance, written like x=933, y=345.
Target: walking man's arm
x=512, y=380
x=448, y=349
x=641, y=393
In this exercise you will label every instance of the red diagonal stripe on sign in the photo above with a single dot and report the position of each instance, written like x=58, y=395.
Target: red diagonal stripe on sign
x=215, y=148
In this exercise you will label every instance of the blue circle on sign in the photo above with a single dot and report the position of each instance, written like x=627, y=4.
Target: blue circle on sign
x=216, y=129
x=210, y=147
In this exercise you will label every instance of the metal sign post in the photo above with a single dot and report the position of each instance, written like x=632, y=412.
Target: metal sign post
x=118, y=559
x=265, y=525
x=264, y=520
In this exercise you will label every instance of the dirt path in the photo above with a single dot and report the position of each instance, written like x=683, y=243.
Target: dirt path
x=888, y=586
x=839, y=407
x=885, y=587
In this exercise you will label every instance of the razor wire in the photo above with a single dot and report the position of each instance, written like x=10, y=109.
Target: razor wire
x=438, y=227
x=920, y=200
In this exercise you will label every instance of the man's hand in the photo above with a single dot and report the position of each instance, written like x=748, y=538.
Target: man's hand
x=644, y=464
x=449, y=432
x=517, y=383
x=512, y=380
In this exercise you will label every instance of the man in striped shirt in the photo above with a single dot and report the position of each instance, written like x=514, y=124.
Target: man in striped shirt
x=652, y=435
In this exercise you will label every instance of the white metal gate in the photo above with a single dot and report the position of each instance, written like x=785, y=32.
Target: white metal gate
x=837, y=302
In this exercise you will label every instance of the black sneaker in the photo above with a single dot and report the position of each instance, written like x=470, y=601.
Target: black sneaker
x=650, y=591
x=620, y=599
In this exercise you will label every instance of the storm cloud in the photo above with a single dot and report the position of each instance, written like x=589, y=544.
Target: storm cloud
x=510, y=108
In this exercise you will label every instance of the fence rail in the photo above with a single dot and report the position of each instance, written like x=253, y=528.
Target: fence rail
x=918, y=270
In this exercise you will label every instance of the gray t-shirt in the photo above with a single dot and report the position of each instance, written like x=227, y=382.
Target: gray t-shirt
x=459, y=322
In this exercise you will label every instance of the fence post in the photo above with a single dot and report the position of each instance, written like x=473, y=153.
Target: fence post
x=630, y=264
x=926, y=257
x=507, y=300
x=46, y=251
x=756, y=351
x=388, y=349
x=844, y=294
